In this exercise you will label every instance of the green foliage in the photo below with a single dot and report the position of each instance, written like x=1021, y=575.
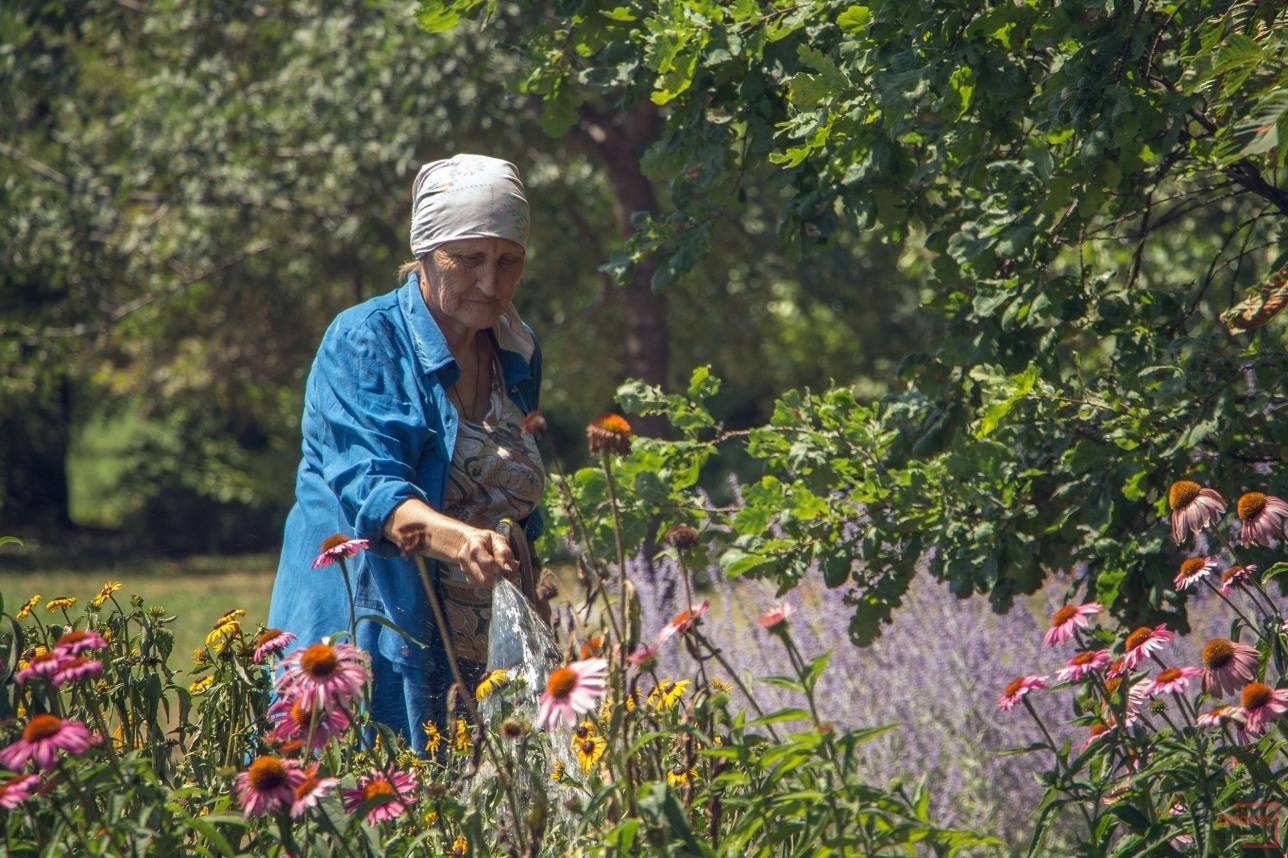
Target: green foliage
x=1085, y=188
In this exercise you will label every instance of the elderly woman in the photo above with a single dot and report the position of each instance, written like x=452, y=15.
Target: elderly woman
x=413, y=441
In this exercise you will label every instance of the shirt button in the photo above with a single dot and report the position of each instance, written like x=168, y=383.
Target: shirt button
x=404, y=651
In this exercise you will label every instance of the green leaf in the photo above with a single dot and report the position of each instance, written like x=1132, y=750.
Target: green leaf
x=854, y=18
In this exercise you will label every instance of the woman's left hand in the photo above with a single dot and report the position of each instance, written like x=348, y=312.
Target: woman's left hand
x=483, y=555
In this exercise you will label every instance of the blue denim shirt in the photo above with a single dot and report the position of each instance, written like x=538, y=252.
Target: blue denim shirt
x=378, y=429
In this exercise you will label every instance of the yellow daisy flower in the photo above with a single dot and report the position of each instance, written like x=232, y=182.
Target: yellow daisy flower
x=680, y=776
x=461, y=743
x=491, y=682
x=201, y=686
x=109, y=587
x=234, y=614
x=433, y=738
x=666, y=694
x=430, y=817
x=200, y=657
x=460, y=846
x=224, y=631
x=60, y=604
x=589, y=750
x=557, y=772
x=720, y=685
x=25, y=610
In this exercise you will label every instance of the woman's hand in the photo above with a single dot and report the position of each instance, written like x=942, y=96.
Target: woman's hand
x=484, y=554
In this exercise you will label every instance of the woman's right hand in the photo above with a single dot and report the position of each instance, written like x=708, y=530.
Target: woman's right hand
x=484, y=555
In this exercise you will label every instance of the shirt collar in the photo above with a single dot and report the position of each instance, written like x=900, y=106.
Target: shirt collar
x=431, y=346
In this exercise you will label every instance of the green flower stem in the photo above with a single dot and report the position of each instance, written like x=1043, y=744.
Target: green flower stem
x=605, y=458
x=348, y=591
x=733, y=674
x=1055, y=752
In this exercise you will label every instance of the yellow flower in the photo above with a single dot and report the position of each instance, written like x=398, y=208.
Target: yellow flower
x=607, y=705
x=433, y=738
x=224, y=631
x=430, y=817
x=40, y=650
x=461, y=744
x=589, y=750
x=557, y=772
x=720, y=685
x=25, y=610
x=200, y=657
x=460, y=846
x=234, y=614
x=109, y=587
x=60, y=604
x=201, y=686
x=679, y=776
x=666, y=694
x=491, y=682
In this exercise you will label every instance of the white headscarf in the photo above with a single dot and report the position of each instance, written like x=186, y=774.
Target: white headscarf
x=473, y=196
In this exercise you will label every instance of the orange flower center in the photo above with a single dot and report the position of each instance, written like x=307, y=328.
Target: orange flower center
x=266, y=636
x=588, y=747
x=378, y=787
x=1255, y=695
x=71, y=638
x=302, y=717
x=1098, y=727
x=319, y=660
x=41, y=727
x=1190, y=565
x=334, y=542
x=267, y=773
x=1182, y=493
x=1250, y=503
x=561, y=682
x=1111, y=684
x=1230, y=573
x=310, y=784
x=683, y=617
x=1068, y=612
x=1217, y=654
x=1014, y=687
x=1083, y=658
x=1138, y=637
x=1170, y=675
x=613, y=423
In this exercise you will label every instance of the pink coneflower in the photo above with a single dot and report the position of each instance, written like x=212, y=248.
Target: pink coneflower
x=1068, y=618
x=14, y=792
x=75, y=669
x=337, y=546
x=1218, y=716
x=1172, y=680
x=399, y=793
x=570, y=691
x=310, y=791
x=1019, y=687
x=1098, y=730
x=268, y=786
x=1082, y=664
x=1193, y=570
x=293, y=721
x=325, y=676
x=682, y=622
x=775, y=616
x=1181, y=841
x=1144, y=642
x=1193, y=508
x=1135, y=699
x=76, y=642
x=1262, y=704
x=1116, y=668
x=1227, y=665
x=1235, y=576
x=644, y=655
x=271, y=642
x=1263, y=518
x=43, y=737
x=43, y=665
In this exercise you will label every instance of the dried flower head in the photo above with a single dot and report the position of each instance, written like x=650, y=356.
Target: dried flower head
x=609, y=433
x=534, y=424
x=681, y=537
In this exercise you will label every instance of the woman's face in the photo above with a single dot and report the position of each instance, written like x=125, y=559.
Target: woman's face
x=471, y=281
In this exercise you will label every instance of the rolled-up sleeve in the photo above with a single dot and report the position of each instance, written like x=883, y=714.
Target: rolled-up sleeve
x=369, y=426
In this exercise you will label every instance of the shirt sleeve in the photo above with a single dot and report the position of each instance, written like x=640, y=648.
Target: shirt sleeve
x=371, y=428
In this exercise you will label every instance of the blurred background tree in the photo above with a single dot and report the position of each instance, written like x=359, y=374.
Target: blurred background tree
x=190, y=193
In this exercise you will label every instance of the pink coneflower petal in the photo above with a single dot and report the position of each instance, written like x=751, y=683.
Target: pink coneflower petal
x=1096, y=732
x=271, y=642
x=43, y=666
x=1227, y=666
x=17, y=790
x=775, y=616
x=571, y=691
x=76, y=669
x=1193, y=570
x=1135, y=699
x=1236, y=576
x=310, y=791
x=1193, y=508
x=1218, y=716
x=335, y=547
x=1261, y=705
x=682, y=622
x=43, y=737
x=1172, y=680
x=1263, y=518
x=643, y=655
x=1082, y=664
x=1018, y=688
x=76, y=642
x=399, y=793
x=268, y=785
x=325, y=676
x=1068, y=618
x=293, y=721
x=1144, y=642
